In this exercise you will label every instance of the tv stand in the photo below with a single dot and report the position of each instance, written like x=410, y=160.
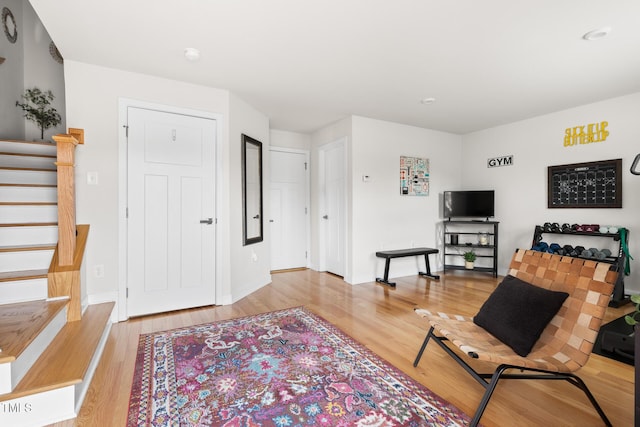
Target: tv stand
x=467, y=238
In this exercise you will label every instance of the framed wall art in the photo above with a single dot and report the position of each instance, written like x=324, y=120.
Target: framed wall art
x=585, y=185
x=414, y=176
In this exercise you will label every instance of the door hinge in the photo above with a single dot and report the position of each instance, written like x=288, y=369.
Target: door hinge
x=305, y=210
x=305, y=165
x=305, y=254
x=126, y=213
x=126, y=130
x=127, y=292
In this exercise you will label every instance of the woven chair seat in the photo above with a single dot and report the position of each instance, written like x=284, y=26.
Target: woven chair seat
x=481, y=345
x=565, y=343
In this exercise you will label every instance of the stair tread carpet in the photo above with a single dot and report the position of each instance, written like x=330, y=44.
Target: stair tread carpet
x=66, y=361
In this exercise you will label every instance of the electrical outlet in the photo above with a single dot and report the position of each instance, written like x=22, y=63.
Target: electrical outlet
x=98, y=270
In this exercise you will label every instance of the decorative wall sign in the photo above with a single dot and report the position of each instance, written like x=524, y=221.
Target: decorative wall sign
x=9, y=25
x=596, y=132
x=585, y=185
x=414, y=176
x=500, y=161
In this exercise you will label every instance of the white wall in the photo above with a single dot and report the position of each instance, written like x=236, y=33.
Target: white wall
x=41, y=70
x=92, y=95
x=521, y=189
x=286, y=139
x=250, y=265
x=383, y=219
x=12, y=77
x=28, y=64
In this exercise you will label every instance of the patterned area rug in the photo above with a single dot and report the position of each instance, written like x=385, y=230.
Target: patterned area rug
x=283, y=368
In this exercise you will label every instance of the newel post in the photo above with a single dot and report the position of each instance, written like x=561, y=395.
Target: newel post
x=66, y=144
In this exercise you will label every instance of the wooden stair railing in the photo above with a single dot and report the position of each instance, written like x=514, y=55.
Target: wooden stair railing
x=66, y=144
x=64, y=277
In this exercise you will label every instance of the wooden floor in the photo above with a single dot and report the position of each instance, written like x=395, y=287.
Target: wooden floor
x=382, y=319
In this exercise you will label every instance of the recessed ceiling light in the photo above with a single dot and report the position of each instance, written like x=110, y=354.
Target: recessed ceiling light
x=192, y=54
x=427, y=101
x=598, y=34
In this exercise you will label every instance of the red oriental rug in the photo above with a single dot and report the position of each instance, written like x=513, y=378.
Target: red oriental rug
x=283, y=368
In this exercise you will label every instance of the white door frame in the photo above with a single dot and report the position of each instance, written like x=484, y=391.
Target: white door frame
x=307, y=190
x=322, y=244
x=123, y=180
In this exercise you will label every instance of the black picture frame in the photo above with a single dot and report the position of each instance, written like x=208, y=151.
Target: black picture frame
x=585, y=185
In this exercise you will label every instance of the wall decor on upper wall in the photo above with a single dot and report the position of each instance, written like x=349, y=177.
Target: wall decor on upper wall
x=55, y=53
x=414, y=176
x=596, y=132
x=585, y=185
x=9, y=25
x=500, y=161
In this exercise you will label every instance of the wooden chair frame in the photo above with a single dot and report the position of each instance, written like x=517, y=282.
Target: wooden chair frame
x=565, y=344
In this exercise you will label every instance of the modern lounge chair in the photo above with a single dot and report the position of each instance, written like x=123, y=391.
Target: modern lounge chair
x=564, y=345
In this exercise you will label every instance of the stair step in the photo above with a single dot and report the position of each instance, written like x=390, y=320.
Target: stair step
x=28, y=176
x=27, y=160
x=9, y=276
x=31, y=287
x=43, y=156
x=31, y=212
x=28, y=235
x=54, y=389
x=22, y=248
x=25, y=260
x=30, y=224
x=28, y=147
x=28, y=193
x=68, y=358
x=26, y=330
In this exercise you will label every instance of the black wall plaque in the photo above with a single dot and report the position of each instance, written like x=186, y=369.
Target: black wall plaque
x=585, y=185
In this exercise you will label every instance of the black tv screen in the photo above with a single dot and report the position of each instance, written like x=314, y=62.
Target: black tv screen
x=468, y=204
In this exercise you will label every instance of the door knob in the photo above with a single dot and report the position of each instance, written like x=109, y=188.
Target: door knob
x=257, y=216
x=206, y=221
x=325, y=217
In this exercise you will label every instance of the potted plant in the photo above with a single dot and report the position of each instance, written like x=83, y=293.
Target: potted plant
x=37, y=109
x=469, y=258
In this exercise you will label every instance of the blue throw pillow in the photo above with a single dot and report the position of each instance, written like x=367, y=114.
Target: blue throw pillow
x=517, y=312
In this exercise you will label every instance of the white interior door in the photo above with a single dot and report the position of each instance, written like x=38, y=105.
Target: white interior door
x=171, y=230
x=289, y=214
x=334, y=209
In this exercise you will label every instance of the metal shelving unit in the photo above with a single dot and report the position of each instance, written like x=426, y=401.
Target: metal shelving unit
x=467, y=238
x=617, y=259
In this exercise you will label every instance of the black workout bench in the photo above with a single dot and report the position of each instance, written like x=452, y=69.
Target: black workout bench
x=399, y=253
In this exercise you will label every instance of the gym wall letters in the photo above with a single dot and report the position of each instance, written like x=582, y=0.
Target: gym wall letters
x=585, y=185
x=595, y=132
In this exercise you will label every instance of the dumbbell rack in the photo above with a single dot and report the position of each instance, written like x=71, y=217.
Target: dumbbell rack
x=619, y=298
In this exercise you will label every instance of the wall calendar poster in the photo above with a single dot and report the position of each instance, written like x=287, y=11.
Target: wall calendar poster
x=414, y=176
x=585, y=185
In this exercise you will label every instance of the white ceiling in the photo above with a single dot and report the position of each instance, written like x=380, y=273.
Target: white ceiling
x=307, y=63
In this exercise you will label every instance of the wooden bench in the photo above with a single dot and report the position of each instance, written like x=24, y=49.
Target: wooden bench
x=400, y=253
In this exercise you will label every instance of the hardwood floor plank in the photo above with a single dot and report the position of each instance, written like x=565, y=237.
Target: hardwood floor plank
x=382, y=319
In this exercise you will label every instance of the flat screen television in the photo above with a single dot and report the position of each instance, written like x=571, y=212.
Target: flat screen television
x=468, y=204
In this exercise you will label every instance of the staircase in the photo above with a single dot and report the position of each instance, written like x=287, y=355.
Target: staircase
x=46, y=360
